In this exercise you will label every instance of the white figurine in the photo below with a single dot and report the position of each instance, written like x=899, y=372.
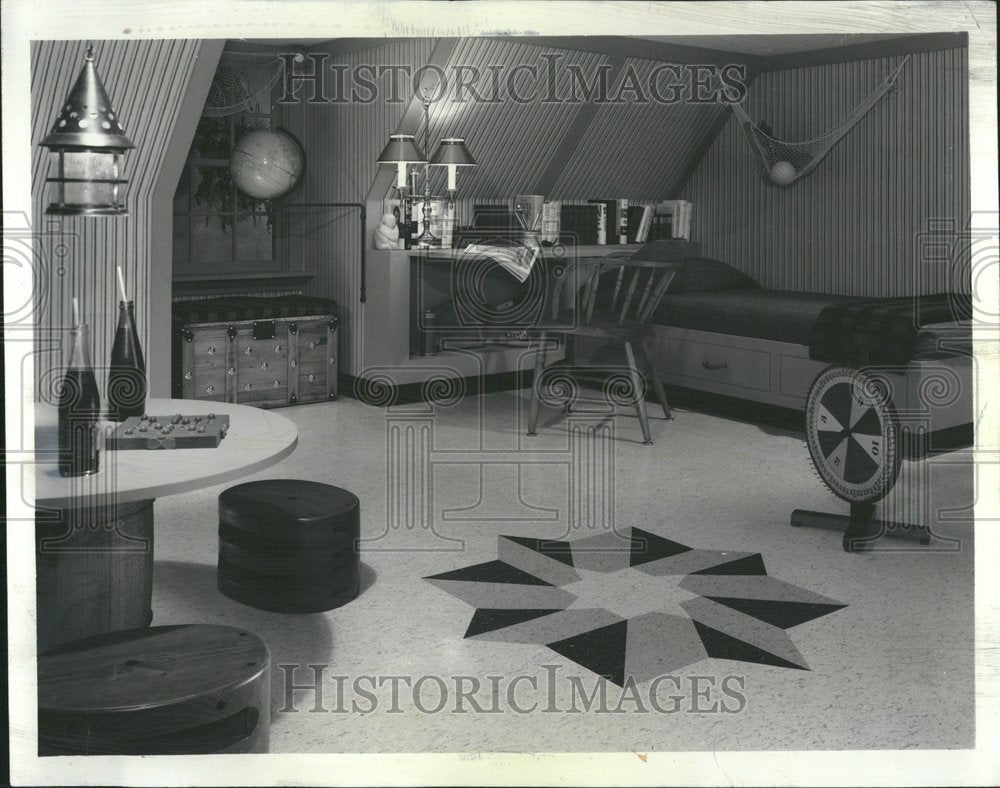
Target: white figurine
x=387, y=233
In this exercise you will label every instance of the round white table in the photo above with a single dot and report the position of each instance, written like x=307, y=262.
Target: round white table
x=94, y=534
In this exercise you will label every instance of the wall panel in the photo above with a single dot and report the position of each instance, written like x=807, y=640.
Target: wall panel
x=853, y=225
x=342, y=142
x=146, y=82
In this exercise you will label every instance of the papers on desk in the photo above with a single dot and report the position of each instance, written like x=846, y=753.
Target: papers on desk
x=516, y=260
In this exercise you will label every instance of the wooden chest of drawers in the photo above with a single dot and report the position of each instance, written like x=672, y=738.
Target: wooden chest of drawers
x=267, y=362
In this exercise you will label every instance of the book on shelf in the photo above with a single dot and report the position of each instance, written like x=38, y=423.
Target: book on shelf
x=616, y=220
x=640, y=219
x=578, y=224
x=674, y=219
x=622, y=224
x=602, y=223
x=550, y=221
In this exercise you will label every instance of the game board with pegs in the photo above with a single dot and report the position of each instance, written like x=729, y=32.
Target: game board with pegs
x=169, y=432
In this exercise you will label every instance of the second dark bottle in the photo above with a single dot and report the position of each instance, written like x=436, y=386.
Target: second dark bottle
x=127, y=372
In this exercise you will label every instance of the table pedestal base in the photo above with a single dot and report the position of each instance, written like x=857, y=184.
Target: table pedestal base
x=94, y=571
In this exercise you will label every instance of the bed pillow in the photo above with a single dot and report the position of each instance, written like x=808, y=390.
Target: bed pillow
x=696, y=274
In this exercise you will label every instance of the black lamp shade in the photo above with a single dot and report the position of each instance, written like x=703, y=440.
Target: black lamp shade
x=452, y=150
x=87, y=145
x=401, y=149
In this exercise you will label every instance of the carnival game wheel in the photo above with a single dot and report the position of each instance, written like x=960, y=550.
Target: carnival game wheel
x=853, y=434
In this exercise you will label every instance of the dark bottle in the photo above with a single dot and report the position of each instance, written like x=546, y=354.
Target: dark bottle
x=127, y=373
x=79, y=411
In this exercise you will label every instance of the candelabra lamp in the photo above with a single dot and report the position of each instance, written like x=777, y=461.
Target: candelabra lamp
x=403, y=151
x=87, y=145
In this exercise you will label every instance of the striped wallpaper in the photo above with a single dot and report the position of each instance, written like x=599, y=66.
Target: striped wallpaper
x=342, y=142
x=146, y=82
x=853, y=225
x=638, y=152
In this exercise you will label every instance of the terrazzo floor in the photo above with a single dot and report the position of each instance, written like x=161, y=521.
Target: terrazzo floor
x=792, y=645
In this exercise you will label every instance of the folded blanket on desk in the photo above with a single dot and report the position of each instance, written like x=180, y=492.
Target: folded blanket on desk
x=885, y=331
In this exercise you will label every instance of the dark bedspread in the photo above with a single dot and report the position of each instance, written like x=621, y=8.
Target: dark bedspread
x=837, y=329
x=884, y=332
x=780, y=315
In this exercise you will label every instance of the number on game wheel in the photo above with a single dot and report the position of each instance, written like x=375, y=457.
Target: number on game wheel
x=852, y=434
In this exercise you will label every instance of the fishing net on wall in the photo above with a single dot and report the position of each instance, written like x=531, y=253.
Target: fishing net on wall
x=786, y=162
x=242, y=81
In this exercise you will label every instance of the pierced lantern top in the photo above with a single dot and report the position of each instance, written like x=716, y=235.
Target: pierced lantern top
x=86, y=118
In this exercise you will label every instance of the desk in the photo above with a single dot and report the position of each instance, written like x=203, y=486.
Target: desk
x=387, y=320
x=94, y=534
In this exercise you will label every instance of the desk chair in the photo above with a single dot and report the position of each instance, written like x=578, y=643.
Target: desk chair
x=615, y=304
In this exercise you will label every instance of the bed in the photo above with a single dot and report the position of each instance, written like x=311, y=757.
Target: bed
x=868, y=374
x=717, y=330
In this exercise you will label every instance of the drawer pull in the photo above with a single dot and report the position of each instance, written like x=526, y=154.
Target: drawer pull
x=714, y=364
x=293, y=363
x=263, y=365
x=188, y=375
x=312, y=378
x=277, y=348
x=209, y=389
x=231, y=371
x=246, y=387
x=276, y=384
x=247, y=350
x=211, y=351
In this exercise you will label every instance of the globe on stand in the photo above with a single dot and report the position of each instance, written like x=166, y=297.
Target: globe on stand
x=267, y=163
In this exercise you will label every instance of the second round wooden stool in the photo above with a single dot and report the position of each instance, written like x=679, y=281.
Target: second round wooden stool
x=289, y=546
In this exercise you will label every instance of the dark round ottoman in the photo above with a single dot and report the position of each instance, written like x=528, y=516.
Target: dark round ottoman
x=190, y=689
x=289, y=546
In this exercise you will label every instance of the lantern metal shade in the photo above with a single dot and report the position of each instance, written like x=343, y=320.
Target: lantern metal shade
x=401, y=149
x=87, y=145
x=452, y=151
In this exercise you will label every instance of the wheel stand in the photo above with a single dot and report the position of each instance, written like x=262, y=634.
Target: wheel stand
x=861, y=529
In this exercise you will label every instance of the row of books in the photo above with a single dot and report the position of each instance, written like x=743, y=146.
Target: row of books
x=600, y=222
x=595, y=223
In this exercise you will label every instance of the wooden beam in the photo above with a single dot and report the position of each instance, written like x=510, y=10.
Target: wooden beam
x=903, y=45
x=161, y=266
x=574, y=135
x=624, y=46
x=707, y=142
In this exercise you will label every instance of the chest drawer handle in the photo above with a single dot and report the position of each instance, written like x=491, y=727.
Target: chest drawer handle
x=247, y=350
x=263, y=365
x=293, y=363
x=188, y=375
x=714, y=364
x=209, y=389
x=211, y=351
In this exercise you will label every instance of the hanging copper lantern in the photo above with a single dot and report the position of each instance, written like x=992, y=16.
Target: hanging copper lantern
x=87, y=145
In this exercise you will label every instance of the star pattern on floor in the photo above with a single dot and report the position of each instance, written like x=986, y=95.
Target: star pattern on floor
x=734, y=609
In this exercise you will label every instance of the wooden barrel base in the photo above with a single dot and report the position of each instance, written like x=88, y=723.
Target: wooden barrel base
x=94, y=571
x=176, y=690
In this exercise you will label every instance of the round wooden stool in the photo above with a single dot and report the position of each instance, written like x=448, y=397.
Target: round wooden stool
x=289, y=546
x=161, y=691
